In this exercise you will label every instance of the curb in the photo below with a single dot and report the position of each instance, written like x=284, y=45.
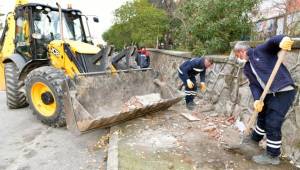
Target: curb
x=112, y=153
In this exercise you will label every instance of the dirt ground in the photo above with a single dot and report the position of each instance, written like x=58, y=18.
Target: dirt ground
x=167, y=140
x=27, y=144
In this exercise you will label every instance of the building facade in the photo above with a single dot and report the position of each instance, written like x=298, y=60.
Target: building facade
x=275, y=17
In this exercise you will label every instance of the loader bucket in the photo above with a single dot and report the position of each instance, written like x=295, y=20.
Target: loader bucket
x=99, y=100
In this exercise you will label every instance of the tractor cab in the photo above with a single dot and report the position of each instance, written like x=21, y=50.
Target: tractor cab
x=57, y=36
x=41, y=24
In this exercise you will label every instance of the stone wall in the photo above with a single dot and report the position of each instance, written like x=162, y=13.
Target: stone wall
x=228, y=92
x=166, y=63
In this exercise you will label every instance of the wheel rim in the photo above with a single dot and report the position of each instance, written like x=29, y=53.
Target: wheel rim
x=42, y=99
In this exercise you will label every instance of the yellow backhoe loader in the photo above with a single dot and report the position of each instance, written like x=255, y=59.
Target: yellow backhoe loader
x=48, y=63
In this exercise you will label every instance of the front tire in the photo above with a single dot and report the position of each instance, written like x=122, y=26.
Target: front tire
x=15, y=98
x=45, y=95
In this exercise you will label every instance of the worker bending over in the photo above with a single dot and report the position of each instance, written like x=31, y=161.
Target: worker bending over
x=187, y=72
x=259, y=64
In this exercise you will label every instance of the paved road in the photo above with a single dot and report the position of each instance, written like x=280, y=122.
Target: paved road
x=27, y=144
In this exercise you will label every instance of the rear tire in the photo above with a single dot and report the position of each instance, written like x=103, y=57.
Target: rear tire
x=45, y=95
x=15, y=98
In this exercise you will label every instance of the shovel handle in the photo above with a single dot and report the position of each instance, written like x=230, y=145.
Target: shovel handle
x=295, y=39
x=253, y=117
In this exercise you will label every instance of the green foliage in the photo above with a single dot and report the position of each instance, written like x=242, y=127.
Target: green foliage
x=137, y=22
x=207, y=26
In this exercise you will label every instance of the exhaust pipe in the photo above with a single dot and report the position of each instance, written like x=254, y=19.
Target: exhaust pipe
x=61, y=21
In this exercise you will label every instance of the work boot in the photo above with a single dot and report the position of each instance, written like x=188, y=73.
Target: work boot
x=266, y=159
x=190, y=106
x=247, y=147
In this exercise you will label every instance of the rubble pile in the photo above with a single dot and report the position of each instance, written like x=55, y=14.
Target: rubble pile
x=140, y=101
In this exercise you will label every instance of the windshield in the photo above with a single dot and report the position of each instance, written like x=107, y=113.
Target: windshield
x=48, y=25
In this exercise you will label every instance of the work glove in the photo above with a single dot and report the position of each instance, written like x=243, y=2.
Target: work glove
x=202, y=87
x=258, y=106
x=189, y=83
x=286, y=44
x=113, y=69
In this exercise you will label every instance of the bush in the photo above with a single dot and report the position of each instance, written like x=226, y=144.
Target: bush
x=137, y=22
x=209, y=25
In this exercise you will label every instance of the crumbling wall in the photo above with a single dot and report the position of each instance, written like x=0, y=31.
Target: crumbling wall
x=228, y=92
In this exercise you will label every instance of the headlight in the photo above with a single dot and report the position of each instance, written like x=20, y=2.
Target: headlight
x=39, y=7
x=47, y=9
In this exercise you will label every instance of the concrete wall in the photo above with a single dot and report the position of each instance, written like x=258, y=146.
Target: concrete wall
x=228, y=92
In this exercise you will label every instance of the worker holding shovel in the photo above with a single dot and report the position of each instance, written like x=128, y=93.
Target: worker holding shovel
x=272, y=108
x=187, y=72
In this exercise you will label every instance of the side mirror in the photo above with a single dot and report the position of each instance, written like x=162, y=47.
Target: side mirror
x=37, y=36
x=96, y=19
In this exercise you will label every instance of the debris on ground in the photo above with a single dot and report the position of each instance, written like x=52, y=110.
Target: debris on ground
x=103, y=142
x=240, y=125
x=169, y=140
x=190, y=117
